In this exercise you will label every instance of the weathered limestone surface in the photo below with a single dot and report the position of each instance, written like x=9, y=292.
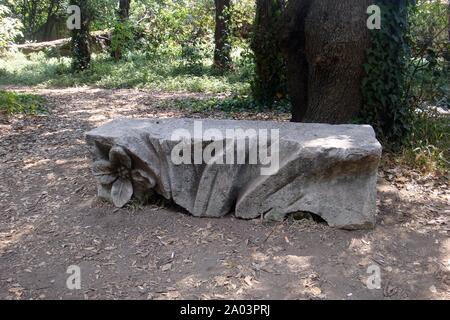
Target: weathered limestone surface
x=328, y=170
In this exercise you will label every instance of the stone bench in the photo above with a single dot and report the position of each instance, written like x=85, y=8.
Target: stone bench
x=251, y=168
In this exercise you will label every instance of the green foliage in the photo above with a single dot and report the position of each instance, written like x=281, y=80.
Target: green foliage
x=429, y=68
x=429, y=146
x=192, y=56
x=12, y=103
x=185, y=28
x=429, y=141
x=231, y=104
x=39, y=18
x=10, y=28
x=176, y=27
x=428, y=85
x=243, y=15
x=106, y=18
x=386, y=104
x=122, y=39
x=136, y=70
x=408, y=79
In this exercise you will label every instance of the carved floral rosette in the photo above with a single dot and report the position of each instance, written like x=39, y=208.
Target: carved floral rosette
x=118, y=178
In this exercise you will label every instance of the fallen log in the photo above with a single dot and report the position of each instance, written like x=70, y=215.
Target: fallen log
x=100, y=41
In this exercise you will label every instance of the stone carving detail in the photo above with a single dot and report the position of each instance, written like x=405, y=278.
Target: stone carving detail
x=118, y=175
x=327, y=170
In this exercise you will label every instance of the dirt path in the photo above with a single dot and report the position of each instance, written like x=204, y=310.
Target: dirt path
x=50, y=219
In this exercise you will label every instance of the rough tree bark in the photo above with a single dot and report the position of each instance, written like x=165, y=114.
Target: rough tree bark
x=124, y=9
x=324, y=44
x=222, y=52
x=448, y=18
x=81, y=46
x=447, y=54
x=265, y=45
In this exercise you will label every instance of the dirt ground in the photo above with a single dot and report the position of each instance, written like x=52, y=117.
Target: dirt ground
x=50, y=219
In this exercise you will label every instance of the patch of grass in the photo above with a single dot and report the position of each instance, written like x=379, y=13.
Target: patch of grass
x=230, y=104
x=136, y=70
x=428, y=147
x=13, y=103
x=429, y=144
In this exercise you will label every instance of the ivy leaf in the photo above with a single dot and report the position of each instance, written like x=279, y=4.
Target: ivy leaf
x=121, y=192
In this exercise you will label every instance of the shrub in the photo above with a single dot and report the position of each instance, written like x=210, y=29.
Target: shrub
x=9, y=28
x=12, y=102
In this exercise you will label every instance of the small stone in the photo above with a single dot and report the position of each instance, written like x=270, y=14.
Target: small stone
x=316, y=291
x=166, y=267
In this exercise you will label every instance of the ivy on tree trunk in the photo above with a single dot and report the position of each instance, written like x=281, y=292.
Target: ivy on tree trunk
x=222, y=52
x=81, y=47
x=120, y=31
x=386, y=102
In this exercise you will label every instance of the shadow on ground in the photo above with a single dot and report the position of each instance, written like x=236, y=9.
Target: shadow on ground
x=50, y=219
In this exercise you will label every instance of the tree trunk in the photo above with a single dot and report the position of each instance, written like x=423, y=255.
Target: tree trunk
x=265, y=45
x=447, y=53
x=222, y=57
x=124, y=9
x=81, y=47
x=123, y=13
x=293, y=46
x=448, y=19
x=324, y=44
x=49, y=23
